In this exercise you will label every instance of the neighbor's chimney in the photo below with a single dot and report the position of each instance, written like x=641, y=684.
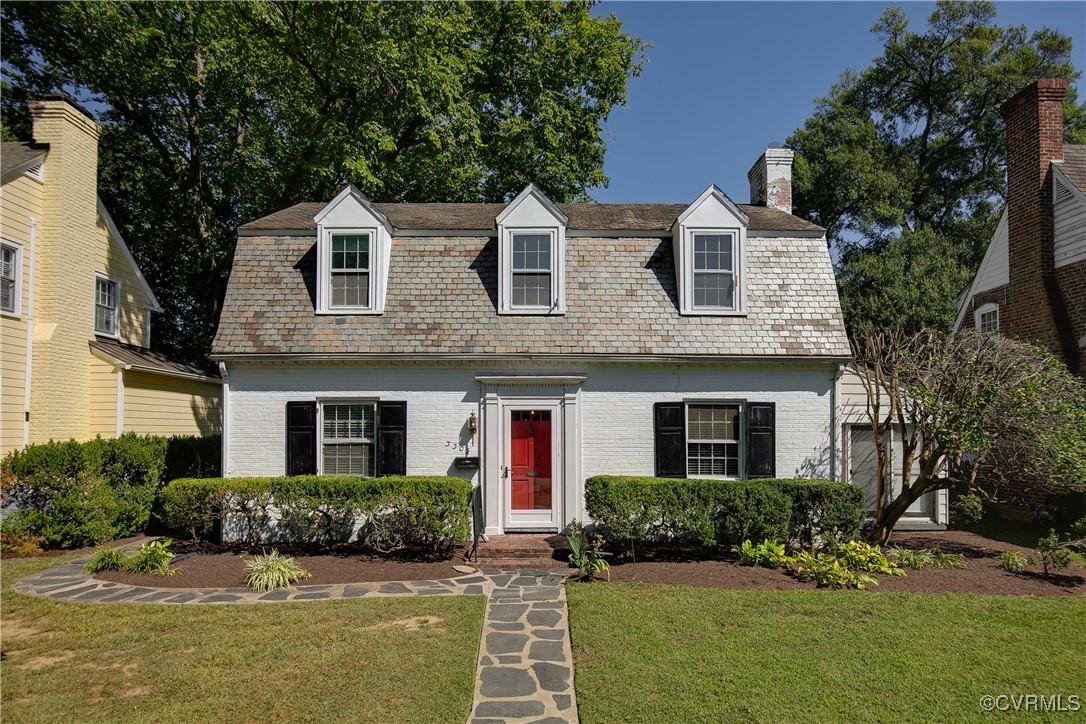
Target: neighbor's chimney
x=1034, y=126
x=771, y=179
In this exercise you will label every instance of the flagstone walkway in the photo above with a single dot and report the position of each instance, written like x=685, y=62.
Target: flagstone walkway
x=525, y=667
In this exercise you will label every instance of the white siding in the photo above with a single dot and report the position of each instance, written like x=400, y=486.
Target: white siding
x=994, y=270
x=615, y=401
x=1070, y=230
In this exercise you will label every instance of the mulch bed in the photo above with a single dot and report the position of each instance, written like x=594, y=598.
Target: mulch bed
x=227, y=570
x=981, y=574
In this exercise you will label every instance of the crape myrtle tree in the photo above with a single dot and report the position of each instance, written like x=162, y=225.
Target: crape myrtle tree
x=965, y=403
x=903, y=162
x=214, y=114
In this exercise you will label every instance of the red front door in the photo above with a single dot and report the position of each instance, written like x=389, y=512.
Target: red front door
x=530, y=454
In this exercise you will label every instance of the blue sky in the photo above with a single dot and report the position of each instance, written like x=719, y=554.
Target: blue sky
x=724, y=79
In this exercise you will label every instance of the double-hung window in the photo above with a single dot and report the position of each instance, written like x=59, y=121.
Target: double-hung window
x=987, y=319
x=347, y=441
x=106, y=306
x=350, y=271
x=714, y=271
x=712, y=442
x=531, y=270
x=9, y=278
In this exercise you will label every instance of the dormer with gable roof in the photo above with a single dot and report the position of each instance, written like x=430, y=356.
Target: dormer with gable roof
x=354, y=242
x=531, y=255
x=710, y=243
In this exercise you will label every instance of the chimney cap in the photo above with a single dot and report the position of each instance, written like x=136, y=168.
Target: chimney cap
x=1053, y=87
x=60, y=97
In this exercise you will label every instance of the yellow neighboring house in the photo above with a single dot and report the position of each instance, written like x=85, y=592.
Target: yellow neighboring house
x=74, y=308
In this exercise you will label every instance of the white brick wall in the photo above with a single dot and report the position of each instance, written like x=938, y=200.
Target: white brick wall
x=615, y=406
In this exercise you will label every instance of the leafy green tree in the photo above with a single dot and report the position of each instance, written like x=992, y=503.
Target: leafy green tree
x=903, y=162
x=971, y=407
x=217, y=113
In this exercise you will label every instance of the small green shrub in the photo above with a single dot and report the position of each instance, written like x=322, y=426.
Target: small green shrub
x=767, y=554
x=1014, y=562
x=21, y=544
x=822, y=510
x=1053, y=553
x=829, y=571
x=107, y=559
x=585, y=554
x=635, y=511
x=860, y=556
x=153, y=557
x=272, y=570
x=966, y=510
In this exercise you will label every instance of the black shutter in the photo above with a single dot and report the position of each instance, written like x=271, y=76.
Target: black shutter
x=301, y=438
x=392, y=438
x=670, y=427
x=761, y=440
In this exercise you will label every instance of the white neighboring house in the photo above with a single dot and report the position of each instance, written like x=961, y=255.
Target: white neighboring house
x=528, y=346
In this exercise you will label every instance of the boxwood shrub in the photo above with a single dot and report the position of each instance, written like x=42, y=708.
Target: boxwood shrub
x=394, y=512
x=633, y=511
x=73, y=494
x=822, y=510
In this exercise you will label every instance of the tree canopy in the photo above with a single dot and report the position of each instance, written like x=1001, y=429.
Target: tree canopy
x=214, y=114
x=969, y=404
x=903, y=162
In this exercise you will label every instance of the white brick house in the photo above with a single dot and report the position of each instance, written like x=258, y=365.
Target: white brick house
x=530, y=345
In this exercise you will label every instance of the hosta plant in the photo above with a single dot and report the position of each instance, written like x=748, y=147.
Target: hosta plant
x=859, y=556
x=153, y=557
x=1014, y=562
x=829, y=571
x=272, y=570
x=768, y=554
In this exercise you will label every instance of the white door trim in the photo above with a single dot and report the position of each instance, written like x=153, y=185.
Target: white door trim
x=550, y=521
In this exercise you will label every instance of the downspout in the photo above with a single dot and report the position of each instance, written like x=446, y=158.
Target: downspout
x=29, y=333
x=120, y=399
x=223, y=472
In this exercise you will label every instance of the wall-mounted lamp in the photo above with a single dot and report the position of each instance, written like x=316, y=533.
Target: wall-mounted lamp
x=473, y=427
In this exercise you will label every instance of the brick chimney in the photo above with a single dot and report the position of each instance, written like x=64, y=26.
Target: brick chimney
x=65, y=260
x=1034, y=126
x=771, y=179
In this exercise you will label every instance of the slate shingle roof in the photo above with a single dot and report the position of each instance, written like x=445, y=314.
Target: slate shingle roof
x=1074, y=165
x=16, y=154
x=442, y=294
x=475, y=217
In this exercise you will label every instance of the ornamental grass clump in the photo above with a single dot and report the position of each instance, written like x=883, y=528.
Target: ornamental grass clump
x=107, y=559
x=272, y=570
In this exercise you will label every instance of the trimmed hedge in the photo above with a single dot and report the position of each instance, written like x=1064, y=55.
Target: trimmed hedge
x=633, y=511
x=822, y=510
x=73, y=494
x=395, y=512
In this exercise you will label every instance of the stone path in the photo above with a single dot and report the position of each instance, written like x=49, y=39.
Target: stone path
x=525, y=667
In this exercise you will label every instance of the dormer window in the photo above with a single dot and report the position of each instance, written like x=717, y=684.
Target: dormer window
x=710, y=254
x=354, y=243
x=531, y=256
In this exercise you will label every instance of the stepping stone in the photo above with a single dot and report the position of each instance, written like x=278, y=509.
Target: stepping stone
x=552, y=677
x=551, y=720
x=556, y=605
x=542, y=594
x=550, y=634
x=181, y=598
x=394, y=588
x=220, y=598
x=510, y=709
x=355, y=592
x=505, y=683
x=315, y=596
x=475, y=590
x=75, y=591
x=280, y=595
x=471, y=579
x=156, y=597
x=549, y=619
x=463, y=569
x=563, y=701
x=510, y=660
x=505, y=643
x=507, y=626
x=95, y=595
x=546, y=651
x=507, y=612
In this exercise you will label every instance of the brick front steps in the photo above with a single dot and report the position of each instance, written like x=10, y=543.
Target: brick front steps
x=520, y=550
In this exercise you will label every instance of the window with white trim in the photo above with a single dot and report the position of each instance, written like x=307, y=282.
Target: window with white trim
x=106, y=306
x=347, y=438
x=532, y=271
x=987, y=319
x=712, y=440
x=714, y=271
x=349, y=270
x=10, y=272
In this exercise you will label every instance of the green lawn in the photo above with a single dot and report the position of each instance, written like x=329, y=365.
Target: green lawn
x=368, y=660
x=675, y=653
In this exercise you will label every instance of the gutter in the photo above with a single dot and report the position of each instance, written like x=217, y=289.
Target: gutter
x=527, y=357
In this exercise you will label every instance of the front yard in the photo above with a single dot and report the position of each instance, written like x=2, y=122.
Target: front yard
x=677, y=653
x=391, y=659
